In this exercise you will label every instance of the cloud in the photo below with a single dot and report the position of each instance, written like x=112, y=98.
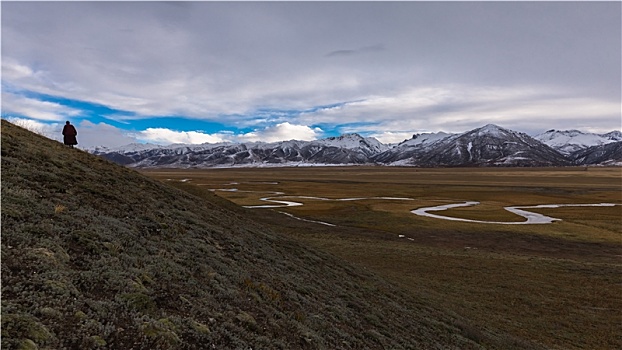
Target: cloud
x=92, y=135
x=14, y=104
x=166, y=136
x=13, y=70
x=410, y=65
x=362, y=50
x=209, y=59
x=167, y=61
x=456, y=108
x=389, y=137
x=281, y=132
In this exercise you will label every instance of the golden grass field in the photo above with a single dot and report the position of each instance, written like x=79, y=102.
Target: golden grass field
x=558, y=284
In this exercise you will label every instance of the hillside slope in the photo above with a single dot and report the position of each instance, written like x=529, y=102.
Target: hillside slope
x=606, y=154
x=95, y=255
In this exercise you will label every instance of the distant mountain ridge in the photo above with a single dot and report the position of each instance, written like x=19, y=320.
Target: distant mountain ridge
x=345, y=149
x=490, y=145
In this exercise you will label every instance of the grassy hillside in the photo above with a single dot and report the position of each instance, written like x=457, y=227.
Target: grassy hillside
x=95, y=255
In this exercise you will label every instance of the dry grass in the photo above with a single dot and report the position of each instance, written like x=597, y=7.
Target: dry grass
x=558, y=284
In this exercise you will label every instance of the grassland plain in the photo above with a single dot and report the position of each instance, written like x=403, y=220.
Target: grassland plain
x=559, y=284
x=95, y=255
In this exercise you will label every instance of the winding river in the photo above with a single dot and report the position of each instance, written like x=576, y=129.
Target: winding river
x=280, y=200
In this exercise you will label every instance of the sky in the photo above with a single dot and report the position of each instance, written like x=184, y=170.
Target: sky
x=195, y=72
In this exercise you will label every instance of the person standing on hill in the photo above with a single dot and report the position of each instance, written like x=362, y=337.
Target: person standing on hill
x=69, y=135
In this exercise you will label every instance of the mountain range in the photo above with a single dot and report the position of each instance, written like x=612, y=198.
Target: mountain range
x=490, y=145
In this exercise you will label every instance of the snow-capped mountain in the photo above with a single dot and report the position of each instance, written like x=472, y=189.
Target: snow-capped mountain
x=490, y=145
x=345, y=149
x=138, y=147
x=571, y=141
x=132, y=147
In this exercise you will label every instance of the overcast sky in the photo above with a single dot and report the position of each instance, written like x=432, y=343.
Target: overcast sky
x=193, y=72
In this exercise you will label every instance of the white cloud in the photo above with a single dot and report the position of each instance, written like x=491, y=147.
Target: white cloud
x=35, y=109
x=457, y=108
x=389, y=137
x=92, y=135
x=13, y=70
x=281, y=132
x=166, y=136
x=225, y=62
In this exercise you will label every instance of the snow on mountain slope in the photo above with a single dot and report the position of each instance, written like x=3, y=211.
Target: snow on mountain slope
x=354, y=141
x=345, y=149
x=132, y=147
x=140, y=147
x=614, y=135
x=489, y=145
x=425, y=139
x=571, y=141
x=492, y=145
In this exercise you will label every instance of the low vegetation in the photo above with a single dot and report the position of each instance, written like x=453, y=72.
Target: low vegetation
x=557, y=285
x=95, y=255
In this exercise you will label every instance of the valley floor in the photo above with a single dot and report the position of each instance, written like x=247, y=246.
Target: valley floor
x=558, y=284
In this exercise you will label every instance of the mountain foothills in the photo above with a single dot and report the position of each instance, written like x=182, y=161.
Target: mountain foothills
x=96, y=255
x=490, y=145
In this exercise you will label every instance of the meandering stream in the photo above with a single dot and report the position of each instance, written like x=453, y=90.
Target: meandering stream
x=280, y=201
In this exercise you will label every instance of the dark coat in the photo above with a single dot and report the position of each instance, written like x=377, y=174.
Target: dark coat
x=69, y=135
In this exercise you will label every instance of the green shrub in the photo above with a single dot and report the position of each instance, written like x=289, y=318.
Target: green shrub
x=139, y=302
x=26, y=329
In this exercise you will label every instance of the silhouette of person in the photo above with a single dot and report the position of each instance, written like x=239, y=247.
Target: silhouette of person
x=69, y=135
